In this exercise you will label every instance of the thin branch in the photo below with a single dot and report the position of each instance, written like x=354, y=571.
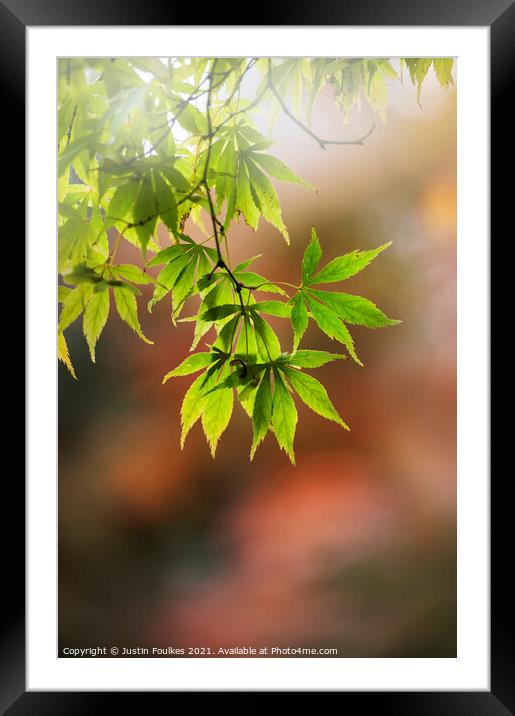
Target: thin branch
x=214, y=219
x=250, y=106
x=116, y=244
x=169, y=124
x=322, y=143
x=218, y=226
x=68, y=134
x=210, y=134
x=70, y=127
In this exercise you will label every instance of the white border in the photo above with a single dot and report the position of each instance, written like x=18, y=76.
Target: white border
x=470, y=671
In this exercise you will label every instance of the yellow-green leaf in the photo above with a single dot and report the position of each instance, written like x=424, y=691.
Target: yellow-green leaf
x=284, y=416
x=73, y=241
x=74, y=304
x=262, y=412
x=313, y=394
x=95, y=318
x=193, y=403
x=217, y=413
x=311, y=258
x=191, y=364
x=299, y=319
x=354, y=309
x=343, y=267
x=62, y=353
x=128, y=310
x=332, y=326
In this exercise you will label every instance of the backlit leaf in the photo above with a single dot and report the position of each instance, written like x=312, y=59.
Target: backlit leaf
x=131, y=273
x=331, y=325
x=62, y=353
x=311, y=259
x=217, y=414
x=74, y=239
x=191, y=364
x=127, y=309
x=354, y=309
x=244, y=201
x=313, y=394
x=74, y=304
x=443, y=69
x=267, y=342
x=262, y=412
x=299, y=319
x=312, y=359
x=273, y=308
x=193, y=403
x=344, y=267
x=150, y=148
x=284, y=416
x=166, y=279
x=184, y=285
x=276, y=168
x=95, y=318
x=266, y=199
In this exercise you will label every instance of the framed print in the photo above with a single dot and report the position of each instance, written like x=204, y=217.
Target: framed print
x=232, y=482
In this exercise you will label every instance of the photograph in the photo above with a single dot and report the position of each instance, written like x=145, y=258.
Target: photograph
x=257, y=344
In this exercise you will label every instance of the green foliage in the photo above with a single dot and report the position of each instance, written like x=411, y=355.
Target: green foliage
x=145, y=142
x=126, y=306
x=418, y=68
x=331, y=310
x=95, y=318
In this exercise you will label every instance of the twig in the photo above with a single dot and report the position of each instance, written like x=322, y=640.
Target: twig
x=322, y=143
x=116, y=244
x=216, y=223
x=70, y=126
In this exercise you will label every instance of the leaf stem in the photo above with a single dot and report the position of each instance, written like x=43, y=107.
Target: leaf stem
x=116, y=245
x=217, y=225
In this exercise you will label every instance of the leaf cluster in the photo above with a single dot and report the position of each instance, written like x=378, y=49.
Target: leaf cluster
x=145, y=142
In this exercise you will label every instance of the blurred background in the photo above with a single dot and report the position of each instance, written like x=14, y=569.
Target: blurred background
x=355, y=548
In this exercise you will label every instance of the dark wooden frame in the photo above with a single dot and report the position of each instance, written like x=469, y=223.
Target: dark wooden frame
x=15, y=16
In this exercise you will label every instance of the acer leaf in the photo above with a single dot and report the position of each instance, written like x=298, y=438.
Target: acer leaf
x=312, y=359
x=299, y=319
x=127, y=309
x=191, y=364
x=63, y=355
x=217, y=414
x=354, y=309
x=95, y=318
x=311, y=259
x=159, y=152
x=262, y=412
x=332, y=325
x=313, y=394
x=344, y=267
x=284, y=416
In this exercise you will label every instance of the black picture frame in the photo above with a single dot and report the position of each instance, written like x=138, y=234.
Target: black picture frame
x=499, y=15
